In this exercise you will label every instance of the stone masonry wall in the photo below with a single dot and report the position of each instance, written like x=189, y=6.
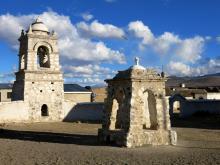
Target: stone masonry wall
x=43, y=92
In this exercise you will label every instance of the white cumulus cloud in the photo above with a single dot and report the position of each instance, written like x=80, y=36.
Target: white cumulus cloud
x=11, y=26
x=71, y=45
x=88, y=74
x=97, y=29
x=168, y=43
x=74, y=49
x=89, y=69
x=190, y=49
x=87, y=16
x=179, y=68
x=141, y=31
x=163, y=43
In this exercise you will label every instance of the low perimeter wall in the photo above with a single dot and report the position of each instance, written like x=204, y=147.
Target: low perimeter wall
x=190, y=107
x=16, y=111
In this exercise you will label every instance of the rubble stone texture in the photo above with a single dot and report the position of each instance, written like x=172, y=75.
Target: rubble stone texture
x=136, y=110
x=39, y=81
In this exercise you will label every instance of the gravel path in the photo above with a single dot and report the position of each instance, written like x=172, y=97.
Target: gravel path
x=72, y=143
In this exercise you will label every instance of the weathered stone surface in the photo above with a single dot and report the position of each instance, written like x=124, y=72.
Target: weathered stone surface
x=136, y=110
x=39, y=80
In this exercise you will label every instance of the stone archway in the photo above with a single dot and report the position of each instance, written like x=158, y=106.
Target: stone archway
x=176, y=106
x=115, y=107
x=44, y=110
x=43, y=43
x=116, y=121
x=178, y=99
x=150, y=111
x=43, y=57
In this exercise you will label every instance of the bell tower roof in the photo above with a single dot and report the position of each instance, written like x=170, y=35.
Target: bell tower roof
x=38, y=25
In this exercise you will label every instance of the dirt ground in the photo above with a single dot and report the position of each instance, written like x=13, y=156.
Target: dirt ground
x=76, y=143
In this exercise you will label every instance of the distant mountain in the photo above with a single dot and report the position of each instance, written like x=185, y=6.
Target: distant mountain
x=211, y=80
x=208, y=75
x=99, y=86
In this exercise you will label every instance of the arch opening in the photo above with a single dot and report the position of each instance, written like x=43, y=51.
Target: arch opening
x=44, y=110
x=43, y=59
x=178, y=100
x=22, y=62
x=117, y=111
x=115, y=108
x=176, y=106
x=150, y=110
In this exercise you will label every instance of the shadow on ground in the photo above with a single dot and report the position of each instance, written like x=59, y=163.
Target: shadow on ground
x=63, y=138
x=91, y=112
x=201, y=121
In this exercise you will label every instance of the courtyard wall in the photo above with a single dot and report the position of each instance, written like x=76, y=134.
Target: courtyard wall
x=16, y=111
x=19, y=112
x=190, y=107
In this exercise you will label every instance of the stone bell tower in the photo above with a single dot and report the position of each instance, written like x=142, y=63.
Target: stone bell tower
x=39, y=80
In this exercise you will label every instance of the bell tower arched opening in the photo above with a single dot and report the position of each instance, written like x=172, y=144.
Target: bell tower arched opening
x=43, y=58
x=22, y=62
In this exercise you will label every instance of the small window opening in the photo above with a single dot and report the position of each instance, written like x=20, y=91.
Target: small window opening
x=44, y=110
x=52, y=82
x=41, y=91
x=8, y=95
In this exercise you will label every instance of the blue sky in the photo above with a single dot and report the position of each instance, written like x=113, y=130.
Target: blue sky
x=99, y=37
